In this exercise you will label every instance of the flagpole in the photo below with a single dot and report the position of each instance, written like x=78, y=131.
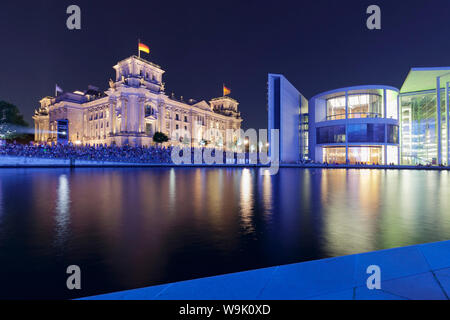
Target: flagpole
x=139, y=51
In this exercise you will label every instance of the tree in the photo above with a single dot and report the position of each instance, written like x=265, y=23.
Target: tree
x=12, y=124
x=160, y=137
x=12, y=114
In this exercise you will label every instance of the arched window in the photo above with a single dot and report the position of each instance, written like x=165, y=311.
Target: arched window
x=148, y=110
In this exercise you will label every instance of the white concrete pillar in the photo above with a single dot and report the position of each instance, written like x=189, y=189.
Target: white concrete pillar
x=447, y=118
x=438, y=125
x=385, y=125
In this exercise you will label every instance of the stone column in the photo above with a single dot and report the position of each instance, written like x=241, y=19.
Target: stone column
x=172, y=123
x=162, y=116
x=111, y=117
x=124, y=107
x=132, y=114
x=192, y=123
x=141, y=114
x=36, y=130
x=89, y=131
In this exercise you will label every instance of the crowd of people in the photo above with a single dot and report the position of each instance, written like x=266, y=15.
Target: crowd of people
x=154, y=154
x=112, y=153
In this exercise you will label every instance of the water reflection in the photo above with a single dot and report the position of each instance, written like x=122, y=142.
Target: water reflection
x=62, y=217
x=172, y=190
x=1, y=202
x=267, y=194
x=246, y=201
x=135, y=227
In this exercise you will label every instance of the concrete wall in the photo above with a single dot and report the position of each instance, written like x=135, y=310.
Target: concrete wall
x=7, y=161
x=284, y=102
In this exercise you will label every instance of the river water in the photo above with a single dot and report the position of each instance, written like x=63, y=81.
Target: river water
x=129, y=228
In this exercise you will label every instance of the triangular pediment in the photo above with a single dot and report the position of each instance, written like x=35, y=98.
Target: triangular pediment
x=203, y=105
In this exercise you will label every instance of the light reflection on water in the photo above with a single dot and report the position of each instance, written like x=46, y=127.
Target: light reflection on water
x=246, y=202
x=129, y=228
x=62, y=217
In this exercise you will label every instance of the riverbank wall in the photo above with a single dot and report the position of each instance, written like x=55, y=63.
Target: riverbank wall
x=28, y=162
x=417, y=272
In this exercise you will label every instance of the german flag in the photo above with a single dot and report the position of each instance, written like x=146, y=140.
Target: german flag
x=226, y=91
x=144, y=48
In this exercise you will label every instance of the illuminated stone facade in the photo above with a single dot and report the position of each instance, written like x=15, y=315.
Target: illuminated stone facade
x=133, y=108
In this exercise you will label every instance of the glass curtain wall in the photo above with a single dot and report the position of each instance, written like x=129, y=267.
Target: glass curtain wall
x=336, y=108
x=334, y=155
x=444, y=145
x=356, y=154
x=419, y=139
x=304, y=129
x=365, y=106
x=366, y=132
x=331, y=134
x=368, y=103
x=365, y=155
x=304, y=136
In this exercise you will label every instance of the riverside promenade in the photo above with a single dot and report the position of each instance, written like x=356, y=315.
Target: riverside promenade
x=32, y=162
x=418, y=272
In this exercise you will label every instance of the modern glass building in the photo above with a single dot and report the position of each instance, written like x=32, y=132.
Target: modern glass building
x=355, y=125
x=372, y=124
x=287, y=112
x=424, y=116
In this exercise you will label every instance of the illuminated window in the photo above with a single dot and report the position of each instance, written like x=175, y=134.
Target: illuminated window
x=365, y=155
x=336, y=108
x=334, y=155
x=365, y=106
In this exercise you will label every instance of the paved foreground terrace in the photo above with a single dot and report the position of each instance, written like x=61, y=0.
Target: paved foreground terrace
x=407, y=273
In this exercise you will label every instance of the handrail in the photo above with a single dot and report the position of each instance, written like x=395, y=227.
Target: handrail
x=368, y=114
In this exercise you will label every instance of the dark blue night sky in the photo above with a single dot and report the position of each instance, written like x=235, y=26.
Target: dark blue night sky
x=318, y=45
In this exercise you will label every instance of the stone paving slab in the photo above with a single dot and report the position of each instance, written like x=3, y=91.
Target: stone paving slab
x=419, y=272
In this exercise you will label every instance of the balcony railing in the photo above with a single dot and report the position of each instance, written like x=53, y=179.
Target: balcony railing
x=355, y=115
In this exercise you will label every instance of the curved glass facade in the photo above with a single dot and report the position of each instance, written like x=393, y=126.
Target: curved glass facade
x=356, y=125
x=365, y=106
x=336, y=108
x=361, y=154
x=410, y=126
x=361, y=103
x=360, y=132
x=331, y=134
x=366, y=132
x=356, y=154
